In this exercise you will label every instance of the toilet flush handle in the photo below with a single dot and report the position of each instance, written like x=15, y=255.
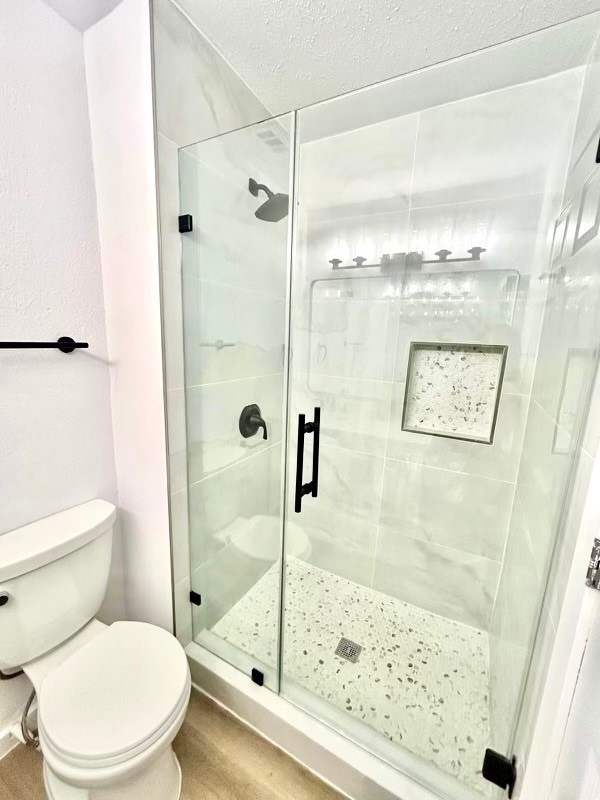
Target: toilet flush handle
x=4, y=598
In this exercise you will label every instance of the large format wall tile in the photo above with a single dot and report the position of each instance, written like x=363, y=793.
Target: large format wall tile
x=542, y=481
x=238, y=333
x=471, y=149
x=349, y=483
x=198, y=93
x=544, y=644
x=506, y=226
x=213, y=412
x=569, y=339
x=228, y=503
x=177, y=439
x=232, y=245
x=466, y=512
x=568, y=534
x=448, y=582
x=183, y=611
x=349, y=339
x=342, y=545
x=366, y=168
x=168, y=204
x=354, y=413
x=173, y=329
x=433, y=322
x=512, y=627
x=179, y=530
x=340, y=237
x=499, y=460
x=233, y=571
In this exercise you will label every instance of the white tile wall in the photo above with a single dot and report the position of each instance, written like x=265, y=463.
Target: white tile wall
x=214, y=439
x=513, y=625
x=228, y=503
x=498, y=460
x=422, y=182
x=454, y=509
x=234, y=284
x=197, y=95
x=444, y=580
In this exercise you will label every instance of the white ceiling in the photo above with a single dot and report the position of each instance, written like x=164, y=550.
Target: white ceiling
x=296, y=53
x=82, y=13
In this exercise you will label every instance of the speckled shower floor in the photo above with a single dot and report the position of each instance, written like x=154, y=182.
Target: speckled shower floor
x=421, y=680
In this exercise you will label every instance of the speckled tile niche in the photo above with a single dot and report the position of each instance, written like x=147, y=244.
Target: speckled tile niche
x=453, y=390
x=421, y=680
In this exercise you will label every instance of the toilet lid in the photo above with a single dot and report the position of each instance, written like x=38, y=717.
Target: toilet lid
x=116, y=695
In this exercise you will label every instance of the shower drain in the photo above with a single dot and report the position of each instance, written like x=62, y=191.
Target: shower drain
x=348, y=649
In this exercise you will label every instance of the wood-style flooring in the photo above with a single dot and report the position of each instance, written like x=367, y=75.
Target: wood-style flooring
x=221, y=759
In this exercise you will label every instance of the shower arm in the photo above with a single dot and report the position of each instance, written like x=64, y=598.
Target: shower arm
x=254, y=188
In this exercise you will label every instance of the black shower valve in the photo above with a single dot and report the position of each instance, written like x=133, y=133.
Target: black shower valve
x=251, y=421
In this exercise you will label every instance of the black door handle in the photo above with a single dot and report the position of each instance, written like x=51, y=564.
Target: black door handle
x=312, y=487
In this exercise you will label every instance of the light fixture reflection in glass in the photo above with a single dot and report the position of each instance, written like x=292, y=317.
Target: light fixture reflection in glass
x=365, y=248
x=339, y=249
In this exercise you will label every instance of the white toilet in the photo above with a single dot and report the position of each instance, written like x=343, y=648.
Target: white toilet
x=110, y=698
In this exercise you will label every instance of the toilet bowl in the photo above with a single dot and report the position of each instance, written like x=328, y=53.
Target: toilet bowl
x=111, y=698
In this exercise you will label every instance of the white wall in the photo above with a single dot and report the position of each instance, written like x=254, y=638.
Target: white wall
x=119, y=80
x=56, y=431
x=56, y=434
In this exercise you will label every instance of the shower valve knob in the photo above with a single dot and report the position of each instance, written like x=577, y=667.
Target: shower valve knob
x=251, y=421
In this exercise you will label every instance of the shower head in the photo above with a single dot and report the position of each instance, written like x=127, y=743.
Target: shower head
x=275, y=206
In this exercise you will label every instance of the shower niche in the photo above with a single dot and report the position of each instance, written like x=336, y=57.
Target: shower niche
x=453, y=390
x=388, y=264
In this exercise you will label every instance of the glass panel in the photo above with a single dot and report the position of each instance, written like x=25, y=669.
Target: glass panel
x=561, y=438
x=425, y=217
x=235, y=276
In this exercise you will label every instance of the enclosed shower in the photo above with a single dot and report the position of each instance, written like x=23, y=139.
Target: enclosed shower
x=385, y=378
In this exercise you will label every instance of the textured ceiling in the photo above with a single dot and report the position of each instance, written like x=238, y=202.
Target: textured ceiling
x=82, y=13
x=296, y=53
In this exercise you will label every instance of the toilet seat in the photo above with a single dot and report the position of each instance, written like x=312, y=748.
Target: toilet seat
x=114, y=701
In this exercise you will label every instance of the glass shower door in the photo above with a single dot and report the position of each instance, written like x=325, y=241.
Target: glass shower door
x=235, y=263
x=421, y=249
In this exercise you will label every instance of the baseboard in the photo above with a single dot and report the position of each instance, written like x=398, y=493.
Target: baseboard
x=342, y=764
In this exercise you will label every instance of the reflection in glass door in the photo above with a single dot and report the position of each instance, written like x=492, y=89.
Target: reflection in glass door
x=235, y=265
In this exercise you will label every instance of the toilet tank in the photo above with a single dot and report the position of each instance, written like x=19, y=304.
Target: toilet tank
x=53, y=577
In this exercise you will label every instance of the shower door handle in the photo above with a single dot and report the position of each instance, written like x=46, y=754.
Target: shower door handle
x=312, y=487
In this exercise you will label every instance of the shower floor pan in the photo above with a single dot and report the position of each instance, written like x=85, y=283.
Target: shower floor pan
x=420, y=680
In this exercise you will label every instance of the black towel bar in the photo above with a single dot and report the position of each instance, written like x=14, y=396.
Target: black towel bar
x=65, y=344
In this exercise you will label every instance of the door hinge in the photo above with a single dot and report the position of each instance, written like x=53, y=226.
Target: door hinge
x=195, y=598
x=186, y=223
x=500, y=770
x=592, y=578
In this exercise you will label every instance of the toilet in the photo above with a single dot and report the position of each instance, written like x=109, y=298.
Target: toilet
x=111, y=698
